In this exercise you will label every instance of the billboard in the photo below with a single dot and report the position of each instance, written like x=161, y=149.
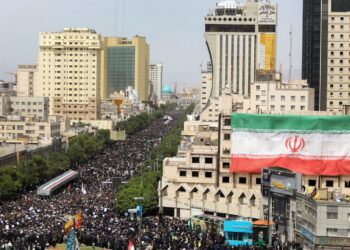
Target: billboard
x=118, y=135
x=267, y=51
x=267, y=13
x=279, y=181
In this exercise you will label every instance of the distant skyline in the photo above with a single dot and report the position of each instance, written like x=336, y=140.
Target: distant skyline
x=174, y=30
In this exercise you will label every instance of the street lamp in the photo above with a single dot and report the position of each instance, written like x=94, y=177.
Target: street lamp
x=138, y=201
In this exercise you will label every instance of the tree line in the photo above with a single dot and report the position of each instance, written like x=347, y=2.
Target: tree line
x=30, y=174
x=146, y=185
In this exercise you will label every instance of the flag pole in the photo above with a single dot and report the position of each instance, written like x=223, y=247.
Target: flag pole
x=74, y=233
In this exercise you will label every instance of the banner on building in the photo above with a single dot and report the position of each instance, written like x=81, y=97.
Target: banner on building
x=310, y=145
x=267, y=13
x=118, y=135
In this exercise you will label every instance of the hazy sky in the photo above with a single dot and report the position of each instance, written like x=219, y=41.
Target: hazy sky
x=174, y=30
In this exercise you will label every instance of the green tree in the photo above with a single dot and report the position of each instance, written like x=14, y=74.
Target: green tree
x=57, y=163
x=9, y=187
x=103, y=135
x=76, y=153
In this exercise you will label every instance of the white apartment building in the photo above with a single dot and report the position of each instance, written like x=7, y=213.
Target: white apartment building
x=156, y=80
x=240, y=39
x=338, y=69
x=15, y=130
x=34, y=107
x=26, y=80
x=69, y=72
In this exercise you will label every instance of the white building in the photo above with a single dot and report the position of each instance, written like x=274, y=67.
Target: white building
x=240, y=39
x=69, y=72
x=26, y=80
x=156, y=80
x=34, y=107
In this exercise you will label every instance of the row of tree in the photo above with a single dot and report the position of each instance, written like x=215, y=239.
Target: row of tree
x=14, y=180
x=146, y=185
x=139, y=122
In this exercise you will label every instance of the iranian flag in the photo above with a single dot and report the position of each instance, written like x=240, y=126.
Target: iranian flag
x=310, y=145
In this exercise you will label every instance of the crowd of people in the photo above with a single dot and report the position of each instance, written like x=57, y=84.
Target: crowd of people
x=32, y=222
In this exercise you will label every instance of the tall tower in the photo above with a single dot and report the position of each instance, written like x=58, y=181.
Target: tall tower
x=156, y=79
x=326, y=52
x=68, y=72
x=125, y=63
x=240, y=39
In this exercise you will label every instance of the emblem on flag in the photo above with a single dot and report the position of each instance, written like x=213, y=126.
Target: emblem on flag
x=295, y=144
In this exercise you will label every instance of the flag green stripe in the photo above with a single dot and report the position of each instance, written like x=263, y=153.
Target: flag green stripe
x=290, y=122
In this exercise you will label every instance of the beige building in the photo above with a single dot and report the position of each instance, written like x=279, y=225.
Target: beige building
x=125, y=63
x=338, y=69
x=206, y=86
x=268, y=95
x=198, y=178
x=26, y=80
x=69, y=72
x=24, y=130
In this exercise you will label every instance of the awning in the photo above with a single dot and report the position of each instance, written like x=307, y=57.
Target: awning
x=50, y=186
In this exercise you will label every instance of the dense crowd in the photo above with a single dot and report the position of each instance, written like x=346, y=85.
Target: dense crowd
x=35, y=223
x=32, y=220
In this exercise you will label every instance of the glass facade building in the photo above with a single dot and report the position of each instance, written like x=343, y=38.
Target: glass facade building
x=121, y=68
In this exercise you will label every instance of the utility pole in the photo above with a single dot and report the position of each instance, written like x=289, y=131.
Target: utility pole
x=138, y=200
x=290, y=53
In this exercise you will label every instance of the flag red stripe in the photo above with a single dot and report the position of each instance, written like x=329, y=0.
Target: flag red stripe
x=302, y=166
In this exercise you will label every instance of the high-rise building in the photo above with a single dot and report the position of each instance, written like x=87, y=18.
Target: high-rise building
x=156, y=80
x=326, y=52
x=69, y=72
x=206, y=85
x=125, y=63
x=26, y=80
x=240, y=39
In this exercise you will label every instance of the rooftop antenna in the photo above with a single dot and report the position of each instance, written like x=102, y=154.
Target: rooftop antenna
x=290, y=53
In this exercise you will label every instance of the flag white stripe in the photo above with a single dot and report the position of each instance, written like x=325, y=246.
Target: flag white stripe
x=274, y=144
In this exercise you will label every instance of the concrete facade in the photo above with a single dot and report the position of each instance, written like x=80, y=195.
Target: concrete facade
x=69, y=72
x=206, y=86
x=13, y=131
x=26, y=79
x=35, y=107
x=156, y=80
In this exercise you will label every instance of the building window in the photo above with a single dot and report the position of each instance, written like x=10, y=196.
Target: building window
x=258, y=181
x=292, y=98
x=183, y=173
x=227, y=122
x=257, y=87
x=283, y=98
x=312, y=183
x=225, y=165
x=347, y=184
x=272, y=107
x=332, y=231
x=329, y=183
x=283, y=108
x=227, y=137
x=225, y=179
x=332, y=216
x=195, y=173
x=302, y=107
x=302, y=98
x=257, y=98
x=208, y=160
x=208, y=174
x=292, y=107
x=242, y=180
x=195, y=159
x=272, y=98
